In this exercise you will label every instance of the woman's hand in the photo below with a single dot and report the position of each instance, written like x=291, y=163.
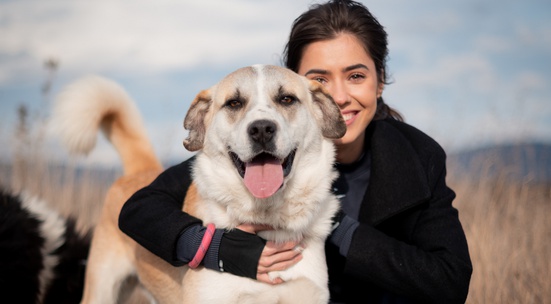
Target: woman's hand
x=274, y=257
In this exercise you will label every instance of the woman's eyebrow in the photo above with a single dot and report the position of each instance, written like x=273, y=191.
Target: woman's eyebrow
x=316, y=71
x=356, y=66
x=346, y=69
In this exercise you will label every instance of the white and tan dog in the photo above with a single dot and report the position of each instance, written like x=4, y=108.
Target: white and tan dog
x=264, y=136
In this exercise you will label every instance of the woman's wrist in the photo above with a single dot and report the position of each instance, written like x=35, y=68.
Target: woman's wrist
x=343, y=232
x=190, y=242
x=203, y=247
x=234, y=251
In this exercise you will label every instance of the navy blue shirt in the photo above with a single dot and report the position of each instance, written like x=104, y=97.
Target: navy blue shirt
x=352, y=183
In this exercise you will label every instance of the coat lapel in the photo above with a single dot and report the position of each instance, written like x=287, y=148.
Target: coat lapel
x=398, y=181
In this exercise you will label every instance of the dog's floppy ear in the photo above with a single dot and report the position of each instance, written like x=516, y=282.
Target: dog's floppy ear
x=329, y=117
x=195, y=121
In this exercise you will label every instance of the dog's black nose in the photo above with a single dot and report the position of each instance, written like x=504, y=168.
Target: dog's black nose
x=262, y=131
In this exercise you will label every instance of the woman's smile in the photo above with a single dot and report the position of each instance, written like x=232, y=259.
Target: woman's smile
x=349, y=117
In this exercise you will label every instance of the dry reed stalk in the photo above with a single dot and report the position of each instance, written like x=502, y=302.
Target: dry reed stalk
x=509, y=238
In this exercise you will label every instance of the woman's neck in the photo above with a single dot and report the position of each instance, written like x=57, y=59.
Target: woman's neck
x=349, y=153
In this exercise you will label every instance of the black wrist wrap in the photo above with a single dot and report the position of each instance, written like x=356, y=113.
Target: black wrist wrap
x=240, y=252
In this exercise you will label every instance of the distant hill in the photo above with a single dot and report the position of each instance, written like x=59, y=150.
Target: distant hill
x=528, y=162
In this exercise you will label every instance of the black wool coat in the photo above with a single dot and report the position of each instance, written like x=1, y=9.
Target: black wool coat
x=409, y=248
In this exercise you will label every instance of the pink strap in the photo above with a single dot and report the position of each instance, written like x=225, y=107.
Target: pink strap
x=205, y=243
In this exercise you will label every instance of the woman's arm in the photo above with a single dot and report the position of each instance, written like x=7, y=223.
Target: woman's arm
x=153, y=216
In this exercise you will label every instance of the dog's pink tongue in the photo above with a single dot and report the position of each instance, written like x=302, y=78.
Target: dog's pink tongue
x=263, y=177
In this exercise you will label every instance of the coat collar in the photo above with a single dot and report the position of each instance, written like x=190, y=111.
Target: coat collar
x=398, y=181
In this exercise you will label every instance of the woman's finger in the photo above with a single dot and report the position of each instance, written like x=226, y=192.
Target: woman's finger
x=272, y=248
x=264, y=277
x=277, y=257
x=280, y=264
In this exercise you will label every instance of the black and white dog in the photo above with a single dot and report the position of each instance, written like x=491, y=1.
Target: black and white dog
x=42, y=256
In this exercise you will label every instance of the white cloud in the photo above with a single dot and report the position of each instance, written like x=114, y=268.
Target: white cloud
x=466, y=100
x=471, y=70
x=493, y=44
x=531, y=80
x=146, y=36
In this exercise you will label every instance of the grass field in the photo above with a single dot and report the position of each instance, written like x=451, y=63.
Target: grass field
x=509, y=236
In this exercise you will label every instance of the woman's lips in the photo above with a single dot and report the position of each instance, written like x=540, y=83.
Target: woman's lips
x=349, y=117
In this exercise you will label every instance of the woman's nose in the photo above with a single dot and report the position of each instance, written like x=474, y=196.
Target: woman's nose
x=339, y=93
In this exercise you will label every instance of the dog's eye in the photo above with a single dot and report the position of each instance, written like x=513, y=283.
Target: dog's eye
x=234, y=104
x=287, y=100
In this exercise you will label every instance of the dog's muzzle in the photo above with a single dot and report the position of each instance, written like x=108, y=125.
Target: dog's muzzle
x=263, y=175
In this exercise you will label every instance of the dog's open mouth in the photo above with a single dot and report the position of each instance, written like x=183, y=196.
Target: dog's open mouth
x=264, y=174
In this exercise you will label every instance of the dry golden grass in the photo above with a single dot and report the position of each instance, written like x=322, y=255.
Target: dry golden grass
x=509, y=236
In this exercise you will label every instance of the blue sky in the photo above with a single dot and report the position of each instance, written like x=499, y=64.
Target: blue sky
x=468, y=73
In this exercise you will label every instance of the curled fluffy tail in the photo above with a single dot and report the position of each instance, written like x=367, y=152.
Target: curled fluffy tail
x=95, y=103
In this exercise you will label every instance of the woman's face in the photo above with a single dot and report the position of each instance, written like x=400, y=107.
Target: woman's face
x=347, y=71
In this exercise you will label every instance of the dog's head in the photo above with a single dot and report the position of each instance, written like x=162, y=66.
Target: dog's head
x=260, y=119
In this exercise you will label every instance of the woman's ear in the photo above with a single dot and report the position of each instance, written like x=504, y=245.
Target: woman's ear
x=380, y=88
x=380, y=83
x=195, y=121
x=329, y=117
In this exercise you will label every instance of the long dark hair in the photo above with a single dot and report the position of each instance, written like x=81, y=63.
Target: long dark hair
x=326, y=21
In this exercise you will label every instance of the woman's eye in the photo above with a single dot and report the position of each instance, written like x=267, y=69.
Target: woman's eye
x=320, y=80
x=357, y=76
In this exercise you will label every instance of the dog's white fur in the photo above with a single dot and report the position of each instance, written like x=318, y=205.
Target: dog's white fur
x=306, y=119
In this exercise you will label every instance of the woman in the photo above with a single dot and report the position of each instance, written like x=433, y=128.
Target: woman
x=398, y=240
